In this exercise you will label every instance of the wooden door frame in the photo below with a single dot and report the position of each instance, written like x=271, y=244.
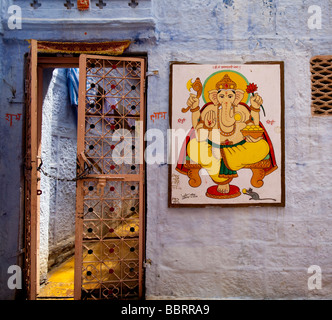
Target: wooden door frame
x=41, y=63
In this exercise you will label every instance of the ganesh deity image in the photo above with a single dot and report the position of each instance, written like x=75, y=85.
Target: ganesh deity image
x=226, y=136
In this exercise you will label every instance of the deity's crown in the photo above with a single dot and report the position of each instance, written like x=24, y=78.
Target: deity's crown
x=226, y=83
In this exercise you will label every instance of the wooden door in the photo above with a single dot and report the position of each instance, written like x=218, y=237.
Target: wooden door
x=31, y=274
x=109, y=240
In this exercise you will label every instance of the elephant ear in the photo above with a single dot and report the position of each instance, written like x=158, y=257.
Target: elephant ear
x=213, y=95
x=239, y=94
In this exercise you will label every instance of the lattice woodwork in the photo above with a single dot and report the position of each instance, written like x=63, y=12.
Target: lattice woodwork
x=113, y=107
x=321, y=85
x=110, y=240
x=112, y=194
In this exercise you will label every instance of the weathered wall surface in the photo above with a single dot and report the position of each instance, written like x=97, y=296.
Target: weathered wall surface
x=212, y=252
x=57, y=204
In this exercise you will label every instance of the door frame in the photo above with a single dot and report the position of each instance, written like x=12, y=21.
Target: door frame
x=32, y=200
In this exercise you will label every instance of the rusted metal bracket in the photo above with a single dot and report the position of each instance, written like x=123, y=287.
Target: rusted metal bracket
x=147, y=262
x=152, y=73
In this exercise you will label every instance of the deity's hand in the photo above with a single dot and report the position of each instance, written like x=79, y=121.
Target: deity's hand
x=256, y=101
x=210, y=119
x=193, y=101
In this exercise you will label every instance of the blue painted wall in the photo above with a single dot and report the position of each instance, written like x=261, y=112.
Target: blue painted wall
x=211, y=253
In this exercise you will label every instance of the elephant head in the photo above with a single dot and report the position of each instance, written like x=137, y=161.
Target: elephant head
x=226, y=100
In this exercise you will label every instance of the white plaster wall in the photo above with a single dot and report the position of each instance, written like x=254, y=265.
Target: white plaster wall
x=57, y=202
x=253, y=253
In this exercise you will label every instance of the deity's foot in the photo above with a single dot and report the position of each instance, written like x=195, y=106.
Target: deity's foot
x=213, y=192
x=223, y=188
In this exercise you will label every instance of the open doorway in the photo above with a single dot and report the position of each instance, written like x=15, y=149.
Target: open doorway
x=107, y=173
x=57, y=183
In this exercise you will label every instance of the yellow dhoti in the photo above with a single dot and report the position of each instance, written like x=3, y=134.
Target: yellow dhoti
x=222, y=168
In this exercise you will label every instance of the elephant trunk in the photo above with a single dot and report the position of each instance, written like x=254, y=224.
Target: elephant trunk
x=226, y=117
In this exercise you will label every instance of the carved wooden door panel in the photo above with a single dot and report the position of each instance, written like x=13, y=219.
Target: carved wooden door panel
x=109, y=245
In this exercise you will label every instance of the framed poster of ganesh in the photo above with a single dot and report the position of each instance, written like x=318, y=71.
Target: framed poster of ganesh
x=226, y=137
